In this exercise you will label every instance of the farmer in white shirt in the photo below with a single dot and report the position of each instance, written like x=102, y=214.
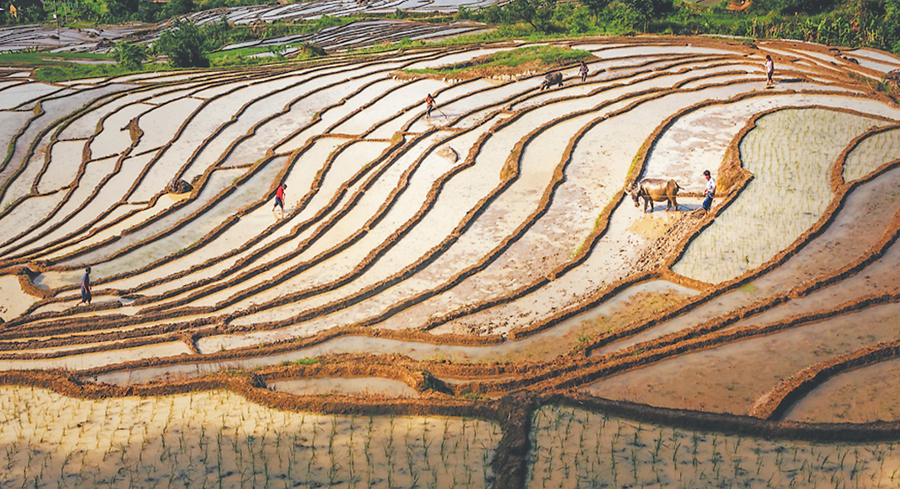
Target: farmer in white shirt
x=710, y=190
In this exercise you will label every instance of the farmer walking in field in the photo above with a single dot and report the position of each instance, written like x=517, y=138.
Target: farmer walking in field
x=710, y=190
x=429, y=104
x=583, y=71
x=86, y=287
x=770, y=71
x=279, y=198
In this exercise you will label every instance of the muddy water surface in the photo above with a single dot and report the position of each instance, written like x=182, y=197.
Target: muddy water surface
x=364, y=386
x=862, y=395
x=717, y=379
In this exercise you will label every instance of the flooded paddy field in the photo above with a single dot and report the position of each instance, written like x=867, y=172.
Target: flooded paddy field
x=454, y=278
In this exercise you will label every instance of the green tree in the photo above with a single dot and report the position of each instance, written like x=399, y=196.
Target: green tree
x=122, y=9
x=33, y=13
x=89, y=10
x=535, y=12
x=128, y=55
x=892, y=7
x=649, y=9
x=595, y=7
x=892, y=25
x=580, y=21
x=790, y=7
x=184, y=44
x=179, y=7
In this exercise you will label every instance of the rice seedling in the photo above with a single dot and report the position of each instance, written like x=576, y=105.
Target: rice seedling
x=208, y=448
x=787, y=159
x=662, y=457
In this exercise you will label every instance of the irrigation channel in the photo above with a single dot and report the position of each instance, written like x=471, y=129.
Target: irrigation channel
x=466, y=299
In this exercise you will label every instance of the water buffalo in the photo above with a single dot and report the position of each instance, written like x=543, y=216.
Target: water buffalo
x=655, y=190
x=551, y=79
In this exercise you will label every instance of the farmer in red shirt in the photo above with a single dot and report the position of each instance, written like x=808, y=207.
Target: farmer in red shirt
x=429, y=104
x=279, y=198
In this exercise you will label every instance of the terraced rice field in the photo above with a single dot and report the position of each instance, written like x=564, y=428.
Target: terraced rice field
x=476, y=278
x=354, y=35
x=360, y=34
x=35, y=36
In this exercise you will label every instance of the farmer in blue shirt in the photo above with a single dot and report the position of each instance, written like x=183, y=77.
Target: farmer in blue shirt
x=86, y=287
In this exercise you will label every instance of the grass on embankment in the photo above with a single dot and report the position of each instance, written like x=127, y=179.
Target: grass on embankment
x=52, y=71
x=55, y=67
x=531, y=58
x=244, y=56
x=66, y=71
x=44, y=58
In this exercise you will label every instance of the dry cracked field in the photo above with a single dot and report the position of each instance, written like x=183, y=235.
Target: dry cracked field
x=462, y=300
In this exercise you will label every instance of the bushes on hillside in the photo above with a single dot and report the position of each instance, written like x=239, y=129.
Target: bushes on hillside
x=184, y=44
x=129, y=56
x=179, y=7
x=791, y=7
x=874, y=23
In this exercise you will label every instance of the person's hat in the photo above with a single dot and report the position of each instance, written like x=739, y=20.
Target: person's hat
x=706, y=173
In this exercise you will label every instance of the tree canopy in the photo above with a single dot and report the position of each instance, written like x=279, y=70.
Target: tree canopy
x=184, y=44
x=535, y=12
x=130, y=56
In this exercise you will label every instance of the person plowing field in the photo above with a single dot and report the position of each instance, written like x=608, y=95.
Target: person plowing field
x=583, y=71
x=429, y=105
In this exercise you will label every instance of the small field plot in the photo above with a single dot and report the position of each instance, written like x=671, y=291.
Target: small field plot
x=872, y=151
